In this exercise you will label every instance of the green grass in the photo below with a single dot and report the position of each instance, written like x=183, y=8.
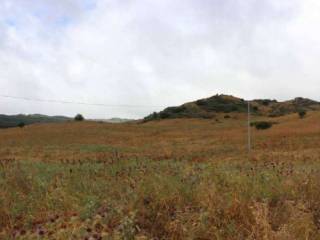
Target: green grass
x=165, y=199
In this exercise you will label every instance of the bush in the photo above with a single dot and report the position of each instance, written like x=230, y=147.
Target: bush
x=21, y=124
x=302, y=113
x=266, y=102
x=164, y=114
x=152, y=116
x=78, y=117
x=262, y=125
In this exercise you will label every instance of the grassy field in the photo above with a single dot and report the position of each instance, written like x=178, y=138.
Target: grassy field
x=170, y=179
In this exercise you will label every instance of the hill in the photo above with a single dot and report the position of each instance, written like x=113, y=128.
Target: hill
x=113, y=120
x=209, y=107
x=7, y=121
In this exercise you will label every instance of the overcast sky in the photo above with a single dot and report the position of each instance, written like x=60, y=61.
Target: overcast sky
x=155, y=53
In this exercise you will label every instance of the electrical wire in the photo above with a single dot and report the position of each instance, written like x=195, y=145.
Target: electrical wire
x=80, y=103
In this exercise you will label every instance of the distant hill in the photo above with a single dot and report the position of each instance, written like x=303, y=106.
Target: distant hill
x=114, y=120
x=209, y=107
x=7, y=121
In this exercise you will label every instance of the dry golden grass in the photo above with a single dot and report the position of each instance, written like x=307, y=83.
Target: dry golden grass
x=172, y=179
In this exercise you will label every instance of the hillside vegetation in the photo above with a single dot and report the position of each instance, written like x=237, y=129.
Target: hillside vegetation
x=7, y=121
x=169, y=179
x=209, y=107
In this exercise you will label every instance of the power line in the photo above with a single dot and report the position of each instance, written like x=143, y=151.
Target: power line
x=79, y=103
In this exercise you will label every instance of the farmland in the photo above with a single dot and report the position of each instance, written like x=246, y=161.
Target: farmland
x=167, y=179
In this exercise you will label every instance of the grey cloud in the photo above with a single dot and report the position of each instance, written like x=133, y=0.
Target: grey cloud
x=151, y=52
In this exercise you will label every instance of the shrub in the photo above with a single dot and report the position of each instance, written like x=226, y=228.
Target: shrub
x=21, y=124
x=164, y=114
x=262, y=125
x=266, y=102
x=302, y=113
x=78, y=117
x=152, y=116
x=222, y=104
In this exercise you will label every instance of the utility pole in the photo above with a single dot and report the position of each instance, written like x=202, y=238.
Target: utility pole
x=249, y=129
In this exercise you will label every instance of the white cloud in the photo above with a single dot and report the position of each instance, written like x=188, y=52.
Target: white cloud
x=155, y=52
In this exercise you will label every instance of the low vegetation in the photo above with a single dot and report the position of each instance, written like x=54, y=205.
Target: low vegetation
x=146, y=199
x=262, y=125
x=302, y=113
x=21, y=124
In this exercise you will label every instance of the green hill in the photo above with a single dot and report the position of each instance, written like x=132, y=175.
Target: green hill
x=209, y=107
x=7, y=121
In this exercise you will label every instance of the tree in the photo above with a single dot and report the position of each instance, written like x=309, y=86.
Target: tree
x=302, y=113
x=79, y=118
x=21, y=124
